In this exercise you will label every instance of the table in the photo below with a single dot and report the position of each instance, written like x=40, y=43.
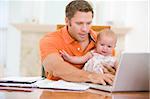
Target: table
x=33, y=93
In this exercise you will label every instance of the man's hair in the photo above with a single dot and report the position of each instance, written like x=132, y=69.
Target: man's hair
x=78, y=5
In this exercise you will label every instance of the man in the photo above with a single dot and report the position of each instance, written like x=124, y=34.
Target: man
x=76, y=38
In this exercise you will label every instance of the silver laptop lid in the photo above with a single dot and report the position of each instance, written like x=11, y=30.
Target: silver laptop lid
x=132, y=74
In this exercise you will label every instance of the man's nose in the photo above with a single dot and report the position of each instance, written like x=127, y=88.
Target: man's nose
x=84, y=28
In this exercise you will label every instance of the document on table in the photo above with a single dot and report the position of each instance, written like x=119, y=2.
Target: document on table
x=25, y=82
x=20, y=85
x=60, y=84
x=37, y=82
x=20, y=80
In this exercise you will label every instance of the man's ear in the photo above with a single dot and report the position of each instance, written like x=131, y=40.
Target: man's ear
x=67, y=21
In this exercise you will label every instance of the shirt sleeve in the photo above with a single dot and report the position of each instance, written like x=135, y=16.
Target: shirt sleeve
x=47, y=46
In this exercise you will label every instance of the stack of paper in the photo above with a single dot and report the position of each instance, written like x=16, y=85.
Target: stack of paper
x=61, y=84
x=26, y=82
x=37, y=82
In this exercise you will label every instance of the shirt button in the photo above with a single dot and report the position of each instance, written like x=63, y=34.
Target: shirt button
x=78, y=49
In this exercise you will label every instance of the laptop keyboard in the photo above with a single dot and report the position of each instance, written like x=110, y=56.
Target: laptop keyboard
x=100, y=87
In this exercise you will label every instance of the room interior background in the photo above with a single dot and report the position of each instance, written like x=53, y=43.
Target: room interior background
x=24, y=22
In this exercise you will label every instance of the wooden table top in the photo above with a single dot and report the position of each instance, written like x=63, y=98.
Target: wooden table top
x=32, y=93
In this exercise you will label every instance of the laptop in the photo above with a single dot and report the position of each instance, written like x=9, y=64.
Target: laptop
x=131, y=75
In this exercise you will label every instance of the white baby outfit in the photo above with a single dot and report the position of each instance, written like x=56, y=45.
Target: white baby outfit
x=95, y=63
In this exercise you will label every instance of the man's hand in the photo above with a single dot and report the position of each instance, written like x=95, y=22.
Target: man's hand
x=107, y=69
x=101, y=78
x=109, y=78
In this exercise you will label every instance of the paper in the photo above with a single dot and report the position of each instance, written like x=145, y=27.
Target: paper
x=36, y=82
x=18, y=85
x=61, y=84
x=24, y=80
x=16, y=89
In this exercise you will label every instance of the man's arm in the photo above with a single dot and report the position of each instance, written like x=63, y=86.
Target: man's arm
x=75, y=59
x=54, y=63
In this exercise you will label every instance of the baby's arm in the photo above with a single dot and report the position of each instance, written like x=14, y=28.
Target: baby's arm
x=75, y=59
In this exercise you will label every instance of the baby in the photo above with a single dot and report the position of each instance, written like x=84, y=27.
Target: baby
x=102, y=54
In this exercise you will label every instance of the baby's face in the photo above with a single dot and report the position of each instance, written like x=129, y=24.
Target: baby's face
x=105, y=46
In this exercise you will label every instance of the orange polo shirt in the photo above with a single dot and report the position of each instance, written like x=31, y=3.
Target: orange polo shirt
x=61, y=40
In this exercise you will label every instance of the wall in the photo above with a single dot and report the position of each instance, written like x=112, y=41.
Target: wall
x=137, y=18
x=3, y=35
x=111, y=12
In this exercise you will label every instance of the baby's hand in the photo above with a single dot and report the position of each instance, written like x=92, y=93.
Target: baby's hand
x=65, y=55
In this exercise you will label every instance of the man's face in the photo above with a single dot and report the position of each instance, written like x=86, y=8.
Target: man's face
x=80, y=25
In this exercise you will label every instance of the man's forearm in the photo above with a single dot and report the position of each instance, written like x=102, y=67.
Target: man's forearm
x=54, y=63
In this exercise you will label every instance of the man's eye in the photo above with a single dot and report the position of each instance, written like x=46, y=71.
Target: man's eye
x=79, y=23
x=102, y=44
x=89, y=23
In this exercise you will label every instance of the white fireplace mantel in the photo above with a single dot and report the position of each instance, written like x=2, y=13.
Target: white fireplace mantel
x=36, y=28
x=42, y=28
x=121, y=30
x=30, y=35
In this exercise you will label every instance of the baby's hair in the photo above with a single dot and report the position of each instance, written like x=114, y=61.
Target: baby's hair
x=107, y=32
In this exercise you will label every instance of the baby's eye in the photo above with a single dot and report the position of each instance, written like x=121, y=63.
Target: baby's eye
x=109, y=46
